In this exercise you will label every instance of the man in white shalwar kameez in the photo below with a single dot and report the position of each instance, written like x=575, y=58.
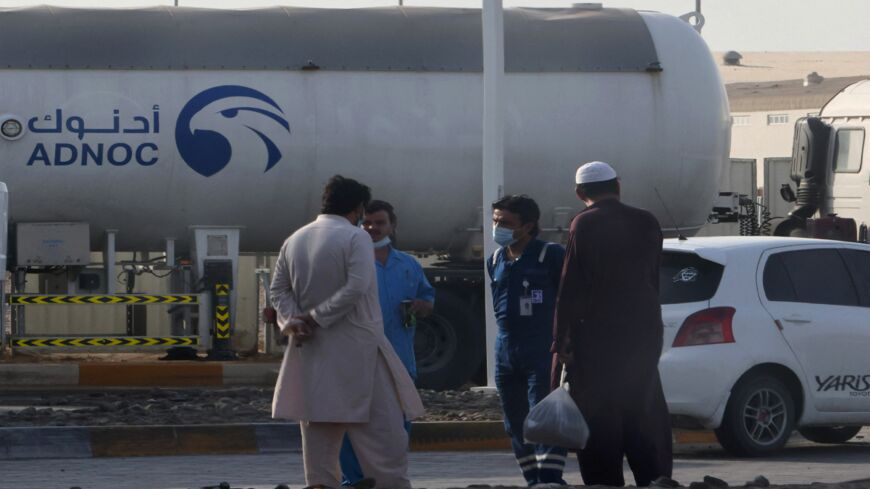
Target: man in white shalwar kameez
x=340, y=374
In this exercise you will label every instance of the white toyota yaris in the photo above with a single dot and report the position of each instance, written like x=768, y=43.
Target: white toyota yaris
x=764, y=335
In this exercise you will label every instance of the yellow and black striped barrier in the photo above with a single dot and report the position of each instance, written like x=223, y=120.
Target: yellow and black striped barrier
x=222, y=322
x=222, y=311
x=35, y=299
x=102, y=341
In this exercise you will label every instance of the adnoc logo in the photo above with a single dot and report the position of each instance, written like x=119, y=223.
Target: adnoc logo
x=207, y=151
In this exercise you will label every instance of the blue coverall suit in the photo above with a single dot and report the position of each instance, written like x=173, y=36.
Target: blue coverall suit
x=524, y=299
x=400, y=278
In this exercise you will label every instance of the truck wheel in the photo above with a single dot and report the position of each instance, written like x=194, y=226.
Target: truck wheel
x=829, y=434
x=759, y=417
x=448, y=345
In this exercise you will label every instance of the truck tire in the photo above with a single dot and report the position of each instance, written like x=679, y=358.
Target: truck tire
x=829, y=434
x=448, y=345
x=759, y=417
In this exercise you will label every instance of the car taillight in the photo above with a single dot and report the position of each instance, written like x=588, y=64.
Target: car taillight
x=707, y=327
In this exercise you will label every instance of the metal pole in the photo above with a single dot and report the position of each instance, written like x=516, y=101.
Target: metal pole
x=4, y=206
x=170, y=253
x=2, y=315
x=4, y=233
x=109, y=260
x=493, y=150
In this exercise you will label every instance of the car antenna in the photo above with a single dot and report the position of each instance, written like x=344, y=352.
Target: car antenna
x=673, y=221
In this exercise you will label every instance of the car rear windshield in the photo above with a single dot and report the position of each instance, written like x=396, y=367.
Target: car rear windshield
x=686, y=277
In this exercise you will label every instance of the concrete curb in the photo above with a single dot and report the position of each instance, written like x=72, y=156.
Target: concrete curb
x=27, y=374
x=254, y=438
x=138, y=374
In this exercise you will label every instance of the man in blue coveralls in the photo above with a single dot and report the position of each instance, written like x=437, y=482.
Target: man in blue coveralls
x=400, y=279
x=524, y=275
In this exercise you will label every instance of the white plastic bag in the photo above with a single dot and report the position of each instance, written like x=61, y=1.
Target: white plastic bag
x=557, y=421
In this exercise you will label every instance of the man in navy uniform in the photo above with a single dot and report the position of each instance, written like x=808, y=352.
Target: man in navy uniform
x=524, y=276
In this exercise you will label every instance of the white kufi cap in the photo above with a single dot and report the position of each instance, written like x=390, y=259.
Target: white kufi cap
x=595, y=171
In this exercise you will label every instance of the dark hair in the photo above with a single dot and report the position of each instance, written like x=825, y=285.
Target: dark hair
x=342, y=196
x=382, y=205
x=597, y=189
x=523, y=206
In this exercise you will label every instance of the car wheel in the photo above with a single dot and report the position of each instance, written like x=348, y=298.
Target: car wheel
x=829, y=434
x=759, y=417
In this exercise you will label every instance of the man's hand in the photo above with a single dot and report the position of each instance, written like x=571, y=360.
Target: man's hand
x=302, y=329
x=421, y=308
x=565, y=353
x=307, y=319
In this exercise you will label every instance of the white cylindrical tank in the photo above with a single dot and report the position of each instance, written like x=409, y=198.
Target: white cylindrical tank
x=150, y=121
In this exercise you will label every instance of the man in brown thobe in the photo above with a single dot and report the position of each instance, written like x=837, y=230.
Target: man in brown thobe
x=608, y=331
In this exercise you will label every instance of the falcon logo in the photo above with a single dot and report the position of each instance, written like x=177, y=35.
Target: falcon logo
x=686, y=275
x=200, y=133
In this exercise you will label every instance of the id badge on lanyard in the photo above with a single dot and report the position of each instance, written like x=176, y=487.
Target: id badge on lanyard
x=526, y=300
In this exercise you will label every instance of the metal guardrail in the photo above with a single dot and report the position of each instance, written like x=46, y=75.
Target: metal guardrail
x=109, y=341
x=102, y=341
x=138, y=299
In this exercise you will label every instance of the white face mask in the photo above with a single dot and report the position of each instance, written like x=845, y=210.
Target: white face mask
x=383, y=243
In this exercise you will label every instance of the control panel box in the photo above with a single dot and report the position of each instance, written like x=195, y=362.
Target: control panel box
x=47, y=244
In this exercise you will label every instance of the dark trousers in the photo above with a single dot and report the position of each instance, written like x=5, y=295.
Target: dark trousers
x=641, y=433
x=522, y=377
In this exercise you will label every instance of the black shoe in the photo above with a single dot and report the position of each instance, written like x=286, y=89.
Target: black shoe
x=367, y=483
x=665, y=482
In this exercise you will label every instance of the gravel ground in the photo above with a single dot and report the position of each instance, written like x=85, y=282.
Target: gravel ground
x=199, y=406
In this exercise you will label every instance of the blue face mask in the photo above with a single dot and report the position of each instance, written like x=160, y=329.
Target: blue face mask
x=503, y=236
x=383, y=243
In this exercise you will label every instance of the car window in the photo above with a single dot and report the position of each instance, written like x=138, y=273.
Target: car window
x=686, y=277
x=777, y=283
x=858, y=263
x=819, y=277
x=849, y=150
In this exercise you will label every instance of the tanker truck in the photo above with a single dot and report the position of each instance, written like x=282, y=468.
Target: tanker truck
x=201, y=134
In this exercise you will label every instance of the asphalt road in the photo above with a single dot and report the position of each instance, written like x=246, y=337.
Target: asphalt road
x=800, y=463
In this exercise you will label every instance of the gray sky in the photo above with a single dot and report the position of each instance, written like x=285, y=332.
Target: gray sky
x=744, y=25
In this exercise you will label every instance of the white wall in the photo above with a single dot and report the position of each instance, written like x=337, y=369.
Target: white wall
x=759, y=140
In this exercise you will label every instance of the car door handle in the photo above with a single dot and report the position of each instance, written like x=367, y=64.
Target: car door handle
x=797, y=320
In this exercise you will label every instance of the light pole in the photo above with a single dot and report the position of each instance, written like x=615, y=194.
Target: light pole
x=493, y=151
